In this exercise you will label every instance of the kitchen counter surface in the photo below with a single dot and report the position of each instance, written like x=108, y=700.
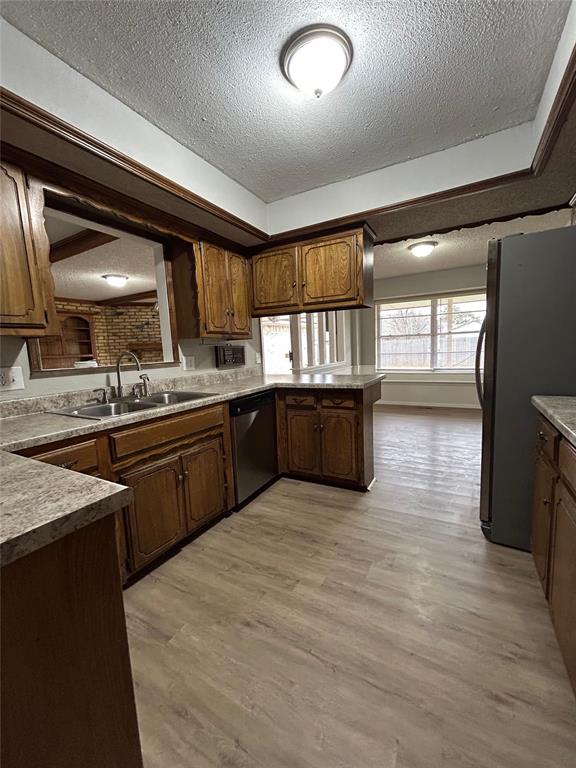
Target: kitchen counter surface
x=41, y=503
x=561, y=411
x=20, y=432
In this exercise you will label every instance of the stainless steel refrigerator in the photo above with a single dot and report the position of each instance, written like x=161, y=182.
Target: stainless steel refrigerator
x=530, y=349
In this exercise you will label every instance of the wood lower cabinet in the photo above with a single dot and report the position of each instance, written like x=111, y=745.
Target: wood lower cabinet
x=545, y=478
x=303, y=442
x=315, y=275
x=339, y=445
x=204, y=482
x=26, y=289
x=563, y=578
x=156, y=516
x=327, y=435
x=554, y=534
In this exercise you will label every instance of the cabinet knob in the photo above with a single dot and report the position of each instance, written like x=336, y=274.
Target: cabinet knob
x=294, y=284
x=315, y=427
x=321, y=427
x=546, y=502
x=303, y=285
x=180, y=478
x=543, y=437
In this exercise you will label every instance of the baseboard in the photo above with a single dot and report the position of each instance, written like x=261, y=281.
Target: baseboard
x=386, y=403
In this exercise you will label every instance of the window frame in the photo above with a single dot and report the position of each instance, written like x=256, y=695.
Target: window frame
x=434, y=299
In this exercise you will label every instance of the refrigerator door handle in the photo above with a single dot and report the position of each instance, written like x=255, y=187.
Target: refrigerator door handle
x=477, y=369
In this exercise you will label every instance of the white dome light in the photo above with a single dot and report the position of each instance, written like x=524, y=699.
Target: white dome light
x=316, y=59
x=117, y=281
x=423, y=249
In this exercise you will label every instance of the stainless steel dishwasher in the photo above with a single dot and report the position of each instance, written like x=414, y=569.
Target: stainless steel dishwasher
x=254, y=443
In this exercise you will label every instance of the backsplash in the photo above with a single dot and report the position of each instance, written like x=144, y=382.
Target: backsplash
x=28, y=405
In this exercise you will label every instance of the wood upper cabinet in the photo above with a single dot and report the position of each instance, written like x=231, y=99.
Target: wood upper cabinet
x=275, y=278
x=543, y=506
x=23, y=303
x=240, y=304
x=563, y=578
x=303, y=432
x=212, y=294
x=204, y=483
x=339, y=445
x=320, y=274
x=329, y=270
x=214, y=265
x=156, y=516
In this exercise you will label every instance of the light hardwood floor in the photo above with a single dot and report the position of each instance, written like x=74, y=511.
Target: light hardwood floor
x=323, y=628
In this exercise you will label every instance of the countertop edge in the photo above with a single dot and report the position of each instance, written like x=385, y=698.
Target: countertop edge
x=548, y=406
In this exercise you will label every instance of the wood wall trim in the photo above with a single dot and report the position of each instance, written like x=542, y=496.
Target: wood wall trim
x=127, y=299
x=82, y=241
x=563, y=102
x=39, y=117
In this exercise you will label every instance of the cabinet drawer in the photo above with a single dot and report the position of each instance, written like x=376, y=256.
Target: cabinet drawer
x=300, y=401
x=137, y=439
x=82, y=457
x=338, y=400
x=548, y=438
x=567, y=462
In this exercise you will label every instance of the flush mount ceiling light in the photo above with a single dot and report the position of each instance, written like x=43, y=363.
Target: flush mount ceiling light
x=316, y=58
x=117, y=281
x=423, y=249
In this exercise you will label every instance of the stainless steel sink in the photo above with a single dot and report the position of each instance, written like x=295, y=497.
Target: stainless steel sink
x=107, y=410
x=169, y=398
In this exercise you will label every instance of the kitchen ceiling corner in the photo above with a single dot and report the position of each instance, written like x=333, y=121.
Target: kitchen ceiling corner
x=424, y=77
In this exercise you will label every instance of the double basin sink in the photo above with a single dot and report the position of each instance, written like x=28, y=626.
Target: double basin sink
x=131, y=405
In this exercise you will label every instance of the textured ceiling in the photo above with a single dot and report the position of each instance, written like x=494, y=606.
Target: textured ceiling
x=425, y=76
x=461, y=248
x=80, y=276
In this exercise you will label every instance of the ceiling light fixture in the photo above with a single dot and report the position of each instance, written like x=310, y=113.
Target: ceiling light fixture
x=316, y=58
x=423, y=249
x=117, y=281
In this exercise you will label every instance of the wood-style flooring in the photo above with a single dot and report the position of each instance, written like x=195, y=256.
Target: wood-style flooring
x=324, y=628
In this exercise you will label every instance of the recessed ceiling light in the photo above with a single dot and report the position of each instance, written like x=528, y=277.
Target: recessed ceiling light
x=117, y=281
x=424, y=248
x=316, y=58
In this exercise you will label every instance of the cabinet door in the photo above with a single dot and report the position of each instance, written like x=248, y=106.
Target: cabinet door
x=339, y=445
x=303, y=436
x=563, y=579
x=216, y=295
x=239, y=280
x=275, y=280
x=543, y=505
x=155, y=518
x=204, y=482
x=21, y=294
x=329, y=271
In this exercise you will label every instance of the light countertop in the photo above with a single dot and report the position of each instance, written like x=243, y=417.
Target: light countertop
x=41, y=503
x=20, y=432
x=560, y=411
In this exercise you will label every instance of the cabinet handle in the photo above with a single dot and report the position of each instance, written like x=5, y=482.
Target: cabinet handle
x=315, y=427
x=186, y=473
x=180, y=478
x=321, y=427
x=232, y=313
x=294, y=284
x=543, y=437
x=546, y=502
x=67, y=464
x=336, y=401
x=303, y=285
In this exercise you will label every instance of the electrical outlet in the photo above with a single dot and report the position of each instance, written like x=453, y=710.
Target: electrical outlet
x=11, y=378
x=189, y=362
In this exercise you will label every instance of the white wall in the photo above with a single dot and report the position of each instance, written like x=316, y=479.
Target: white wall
x=449, y=390
x=13, y=351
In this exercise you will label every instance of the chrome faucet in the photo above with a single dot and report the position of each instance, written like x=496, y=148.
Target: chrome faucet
x=118, y=362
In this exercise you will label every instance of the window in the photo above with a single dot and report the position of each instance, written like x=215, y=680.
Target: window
x=309, y=341
x=435, y=333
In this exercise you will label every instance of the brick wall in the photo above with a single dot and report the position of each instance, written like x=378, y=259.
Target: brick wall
x=134, y=327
